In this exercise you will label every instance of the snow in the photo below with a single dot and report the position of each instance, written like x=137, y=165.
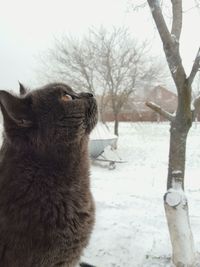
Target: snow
x=174, y=69
x=176, y=172
x=101, y=132
x=152, y=9
x=174, y=38
x=192, y=107
x=131, y=229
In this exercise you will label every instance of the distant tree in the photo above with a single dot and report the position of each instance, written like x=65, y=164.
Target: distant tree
x=109, y=63
x=119, y=66
x=72, y=61
x=175, y=200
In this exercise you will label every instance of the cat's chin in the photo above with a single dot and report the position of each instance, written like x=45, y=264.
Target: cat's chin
x=91, y=116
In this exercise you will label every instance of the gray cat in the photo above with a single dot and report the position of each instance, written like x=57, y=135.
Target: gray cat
x=46, y=207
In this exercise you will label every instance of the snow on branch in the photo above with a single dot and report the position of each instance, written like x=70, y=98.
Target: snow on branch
x=160, y=111
x=195, y=68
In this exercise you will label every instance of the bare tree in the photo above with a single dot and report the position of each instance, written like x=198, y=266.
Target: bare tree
x=175, y=200
x=109, y=63
x=72, y=61
x=119, y=66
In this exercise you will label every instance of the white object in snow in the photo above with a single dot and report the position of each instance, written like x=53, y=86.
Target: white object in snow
x=100, y=138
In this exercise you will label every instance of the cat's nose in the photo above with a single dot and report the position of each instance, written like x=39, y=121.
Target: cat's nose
x=90, y=95
x=87, y=95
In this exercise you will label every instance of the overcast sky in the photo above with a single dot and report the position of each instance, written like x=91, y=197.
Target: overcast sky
x=28, y=28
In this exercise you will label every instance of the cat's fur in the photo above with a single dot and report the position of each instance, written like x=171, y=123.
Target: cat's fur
x=46, y=207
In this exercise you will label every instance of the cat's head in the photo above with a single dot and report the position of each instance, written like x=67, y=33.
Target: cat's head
x=53, y=114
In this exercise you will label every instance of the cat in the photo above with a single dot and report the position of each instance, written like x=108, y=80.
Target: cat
x=47, y=211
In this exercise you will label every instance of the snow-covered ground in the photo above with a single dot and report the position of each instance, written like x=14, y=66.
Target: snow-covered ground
x=131, y=229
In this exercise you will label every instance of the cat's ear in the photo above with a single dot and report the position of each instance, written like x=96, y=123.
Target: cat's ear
x=15, y=109
x=22, y=89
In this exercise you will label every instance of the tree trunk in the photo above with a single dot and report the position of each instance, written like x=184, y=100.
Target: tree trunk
x=178, y=137
x=175, y=201
x=116, y=127
x=176, y=210
x=101, y=114
x=101, y=108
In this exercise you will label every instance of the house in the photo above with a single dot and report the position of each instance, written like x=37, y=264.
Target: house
x=164, y=98
x=136, y=110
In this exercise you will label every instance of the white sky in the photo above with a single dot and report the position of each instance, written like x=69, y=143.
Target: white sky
x=28, y=27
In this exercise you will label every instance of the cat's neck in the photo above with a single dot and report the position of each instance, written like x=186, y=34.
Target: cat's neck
x=74, y=151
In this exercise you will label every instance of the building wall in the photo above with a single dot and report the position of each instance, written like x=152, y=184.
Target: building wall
x=136, y=110
x=135, y=117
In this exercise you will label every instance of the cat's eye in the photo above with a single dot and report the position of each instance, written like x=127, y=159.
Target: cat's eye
x=66, y=97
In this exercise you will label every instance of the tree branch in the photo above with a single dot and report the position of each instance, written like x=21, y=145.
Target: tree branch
x=160, y=22
x=177, y=19
x=196, y=103
x=195, y=68
x=170, y=43
x=160, y=111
